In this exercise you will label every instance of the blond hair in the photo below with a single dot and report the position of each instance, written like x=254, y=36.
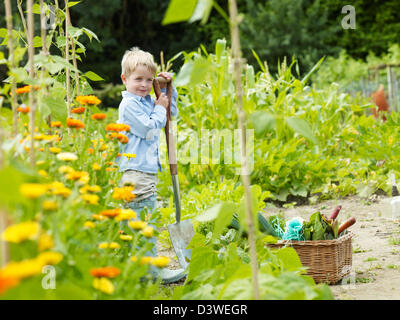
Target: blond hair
x=135, y=57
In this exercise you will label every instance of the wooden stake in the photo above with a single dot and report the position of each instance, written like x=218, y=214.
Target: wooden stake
x=236, y=53
x=31, y=53
x=21, y=13
x=67, y=75
x=76, y=75
x=14, y=103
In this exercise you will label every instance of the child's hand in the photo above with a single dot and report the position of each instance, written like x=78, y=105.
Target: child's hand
x=162, y=100
x=167, y=76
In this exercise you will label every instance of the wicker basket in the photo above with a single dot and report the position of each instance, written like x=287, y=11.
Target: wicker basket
x=328, y=261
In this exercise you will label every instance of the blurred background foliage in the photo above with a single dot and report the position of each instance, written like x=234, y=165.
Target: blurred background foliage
x=274, y=29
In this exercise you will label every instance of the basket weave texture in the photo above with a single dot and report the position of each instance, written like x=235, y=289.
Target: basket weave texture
x=328, y=261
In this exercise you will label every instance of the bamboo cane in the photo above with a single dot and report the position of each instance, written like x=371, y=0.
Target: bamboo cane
x=76, y=75
x=21, y=13
x=31, y=52
x=14, y=102
x=236, y=52
x=67, y=75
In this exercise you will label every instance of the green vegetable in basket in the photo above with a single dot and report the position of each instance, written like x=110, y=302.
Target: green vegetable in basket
x=317, y=228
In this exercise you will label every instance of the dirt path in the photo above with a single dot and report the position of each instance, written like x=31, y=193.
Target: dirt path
x=376, y=247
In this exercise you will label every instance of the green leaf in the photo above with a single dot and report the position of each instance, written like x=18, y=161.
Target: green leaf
x=179, y=11
x=262, y=121
x=90, y=34
x=302, y=127
x=202, y=11
x=308, y=75
x=289, y=258
x=184, y=75
x=9, y=192
x=202, y=258
x=73, y=3
x=93, y=76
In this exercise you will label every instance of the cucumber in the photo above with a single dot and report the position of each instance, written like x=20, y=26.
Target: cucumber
x=263, y=224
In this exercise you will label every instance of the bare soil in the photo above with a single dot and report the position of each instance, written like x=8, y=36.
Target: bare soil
x=375, y=271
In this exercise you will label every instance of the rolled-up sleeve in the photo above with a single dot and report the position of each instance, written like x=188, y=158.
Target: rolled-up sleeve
x=140, y=123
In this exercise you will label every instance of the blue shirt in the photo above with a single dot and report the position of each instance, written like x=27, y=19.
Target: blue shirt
x=146, y=121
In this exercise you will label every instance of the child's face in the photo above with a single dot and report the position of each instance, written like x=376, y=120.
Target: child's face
x=139, y=82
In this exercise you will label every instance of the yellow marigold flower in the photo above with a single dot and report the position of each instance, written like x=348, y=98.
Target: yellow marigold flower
x=114, y=245
x=89, y=224
x=103, y=147
x=129, y=155
x=111, y=245
x=145, y=260
x=49, y=258
x=38, y=137
x=103, y=245
x=160, y=261
x=103, y=285
x=40, y=162
x=99, y=217
x=137, y=225
x=96, y=166
x=45, y=242
x=390, y=141
x=126, y=214
x=111, y=169
x=125, y=237
x=133, y=259
x=65, y=169
x=124, y=193
x=32, y=190
x=148, y=231
x=21, y=232
x=55, y=150
x=62, y=191
x=67, y=156
x=43, y=173
x=22, y=269
x=87, y=188
x=49, y=205
x=90, y=199
x=81, y=176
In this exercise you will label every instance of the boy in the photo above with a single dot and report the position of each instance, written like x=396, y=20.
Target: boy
x=146, y=118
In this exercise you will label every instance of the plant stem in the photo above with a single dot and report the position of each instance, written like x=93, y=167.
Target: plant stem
x=7, y=4
x=236, y=53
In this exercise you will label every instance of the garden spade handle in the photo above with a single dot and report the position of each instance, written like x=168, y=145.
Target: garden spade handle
x=173, y=165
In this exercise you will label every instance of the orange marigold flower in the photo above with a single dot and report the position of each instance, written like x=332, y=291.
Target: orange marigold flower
x=23, y=109
x=117, y=127
x=56, y=124
x=92, y=100
x=98, y=116
x=78, y=110
x=75, y=123
x=111, y=212
x=106, y=272
x=7, y=283
x=24, y=89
